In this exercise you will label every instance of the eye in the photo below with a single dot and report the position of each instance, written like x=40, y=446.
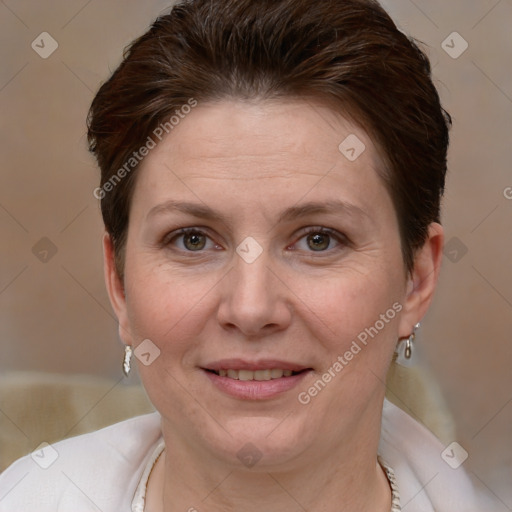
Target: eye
x=192, y=240
x=319, y=240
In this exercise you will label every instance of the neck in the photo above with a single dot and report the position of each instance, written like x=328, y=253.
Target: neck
x=182, y=482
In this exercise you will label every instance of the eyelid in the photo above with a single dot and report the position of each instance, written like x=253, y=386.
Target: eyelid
x=340, y=238
x=171, y=236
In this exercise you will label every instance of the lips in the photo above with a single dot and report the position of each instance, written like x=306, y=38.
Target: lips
x=255, y=379
x=267, y=374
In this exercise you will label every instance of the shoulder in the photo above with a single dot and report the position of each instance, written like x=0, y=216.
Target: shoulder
x=99, y=470
x=430, y=475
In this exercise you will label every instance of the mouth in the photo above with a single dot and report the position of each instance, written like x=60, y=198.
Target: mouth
x=255, y=380
x=259, y=375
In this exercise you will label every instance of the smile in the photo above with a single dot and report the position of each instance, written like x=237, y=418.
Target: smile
x=255, y=380
x=260, y=375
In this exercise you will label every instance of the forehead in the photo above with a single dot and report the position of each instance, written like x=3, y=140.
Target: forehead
x=259, y=150
x=263, y=129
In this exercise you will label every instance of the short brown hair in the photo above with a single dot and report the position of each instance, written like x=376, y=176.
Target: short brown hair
x=346, y=52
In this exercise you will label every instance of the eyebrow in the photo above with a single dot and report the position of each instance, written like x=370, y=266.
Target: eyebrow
x=200, y=211
x=203, y=211
x=327, y=207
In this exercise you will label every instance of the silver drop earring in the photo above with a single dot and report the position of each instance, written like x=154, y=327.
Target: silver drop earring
x=127, y=360
x=409, y=342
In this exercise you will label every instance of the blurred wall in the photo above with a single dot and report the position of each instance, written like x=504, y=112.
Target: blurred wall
x=55, y=315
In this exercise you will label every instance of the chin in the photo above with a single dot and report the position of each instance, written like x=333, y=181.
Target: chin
x=258, y=443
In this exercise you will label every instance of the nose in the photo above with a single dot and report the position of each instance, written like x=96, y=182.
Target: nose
x=254, y=300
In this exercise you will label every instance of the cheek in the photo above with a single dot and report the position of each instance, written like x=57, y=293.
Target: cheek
x=172, y=313
x=354, y=308
x=169, y=310
x=356, y=323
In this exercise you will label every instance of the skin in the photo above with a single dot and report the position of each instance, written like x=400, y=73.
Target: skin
x=249, y=162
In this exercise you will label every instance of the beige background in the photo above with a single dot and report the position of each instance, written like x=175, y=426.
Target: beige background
x=55, y=315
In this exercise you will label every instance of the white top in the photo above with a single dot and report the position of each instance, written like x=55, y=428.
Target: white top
x=107, y=470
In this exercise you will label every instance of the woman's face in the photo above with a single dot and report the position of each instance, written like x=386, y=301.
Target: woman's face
x=256, y=244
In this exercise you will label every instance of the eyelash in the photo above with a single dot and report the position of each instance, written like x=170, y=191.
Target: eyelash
x=340, y=238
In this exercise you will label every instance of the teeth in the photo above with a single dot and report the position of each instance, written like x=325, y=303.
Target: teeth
x=233, y=374
x=268, y=374
x=262, y=375
x=245, y=375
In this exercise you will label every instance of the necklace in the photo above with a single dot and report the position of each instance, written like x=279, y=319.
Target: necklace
x=140, y=494
x=390, y=475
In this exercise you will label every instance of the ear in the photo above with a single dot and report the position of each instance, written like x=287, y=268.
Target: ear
x=115, y=289
x=422, y=280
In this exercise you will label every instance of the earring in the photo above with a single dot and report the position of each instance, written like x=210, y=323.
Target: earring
x=409, y=341
x=127, y=360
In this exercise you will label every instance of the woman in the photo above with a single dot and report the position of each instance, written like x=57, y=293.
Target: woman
x=271, y=174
